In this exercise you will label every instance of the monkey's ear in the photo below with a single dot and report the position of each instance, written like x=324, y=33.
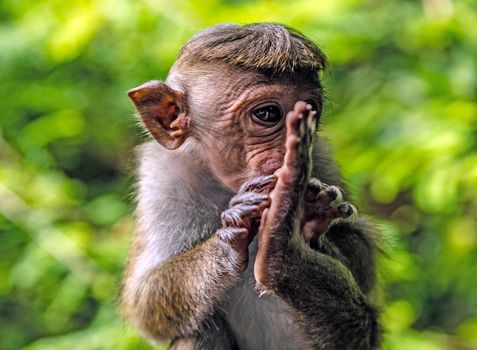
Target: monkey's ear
x=162, y=111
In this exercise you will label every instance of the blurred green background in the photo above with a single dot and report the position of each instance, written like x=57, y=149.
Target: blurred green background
x=401, y=114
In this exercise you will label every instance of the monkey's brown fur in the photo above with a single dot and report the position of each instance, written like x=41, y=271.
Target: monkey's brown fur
x=198, y=265
x=263, y=46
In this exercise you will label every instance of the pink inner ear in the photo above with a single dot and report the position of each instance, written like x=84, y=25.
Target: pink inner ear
x=159, y=106
x=164, y=112
x=171, y=109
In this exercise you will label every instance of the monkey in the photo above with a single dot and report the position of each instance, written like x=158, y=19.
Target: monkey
x=244, y=238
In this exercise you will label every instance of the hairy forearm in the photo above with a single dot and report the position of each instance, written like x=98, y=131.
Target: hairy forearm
x=354, y=244
x=173, y=299
x=326, y=301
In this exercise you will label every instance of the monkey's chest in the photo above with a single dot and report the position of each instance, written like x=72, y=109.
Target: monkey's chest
x=259, y=322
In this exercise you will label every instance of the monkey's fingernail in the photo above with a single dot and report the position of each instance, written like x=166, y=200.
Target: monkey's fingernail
x=347, y=210
x=309, y=107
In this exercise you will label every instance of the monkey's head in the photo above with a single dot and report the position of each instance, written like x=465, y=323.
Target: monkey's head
x=228, y=94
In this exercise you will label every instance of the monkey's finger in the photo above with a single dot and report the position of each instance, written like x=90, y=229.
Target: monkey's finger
x=306, y=132
x=311, y=121
x=322, y=204
x=313, y=188
x=241, y=215
x=249, y=198
x=311, y=126
x=300, y=128
x=303, y=127
x=301, y=107
x=259, y=184
x=320, y=221
x=291, y=147
x=230, y=234
x=346, y=210
x=238, y=239
x=331, y=195
x=295, y=118
x=292, y=123
x=263, y=253
x=263, y=220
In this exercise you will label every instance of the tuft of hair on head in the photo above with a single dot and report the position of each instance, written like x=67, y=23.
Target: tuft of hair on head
x=265, y=47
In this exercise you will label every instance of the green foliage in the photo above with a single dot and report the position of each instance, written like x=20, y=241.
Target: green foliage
x=401, y=114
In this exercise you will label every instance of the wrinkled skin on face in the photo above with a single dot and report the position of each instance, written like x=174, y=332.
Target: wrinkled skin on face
x=221, y=108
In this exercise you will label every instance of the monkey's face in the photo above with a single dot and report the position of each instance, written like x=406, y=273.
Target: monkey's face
x=239, y=117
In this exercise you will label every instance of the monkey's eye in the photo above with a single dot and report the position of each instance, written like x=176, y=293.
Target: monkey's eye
x=267, y=115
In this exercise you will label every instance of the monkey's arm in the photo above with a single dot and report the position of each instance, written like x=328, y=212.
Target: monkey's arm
x=321, y=291
x=351, y=246
x=332, y=226
x=355, y=245
x=325, y=300
x=326, y=286
x=173, y=299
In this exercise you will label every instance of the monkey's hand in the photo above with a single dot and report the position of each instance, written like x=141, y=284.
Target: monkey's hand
x=323, y=206
x=281, y=221
x=239, y=222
